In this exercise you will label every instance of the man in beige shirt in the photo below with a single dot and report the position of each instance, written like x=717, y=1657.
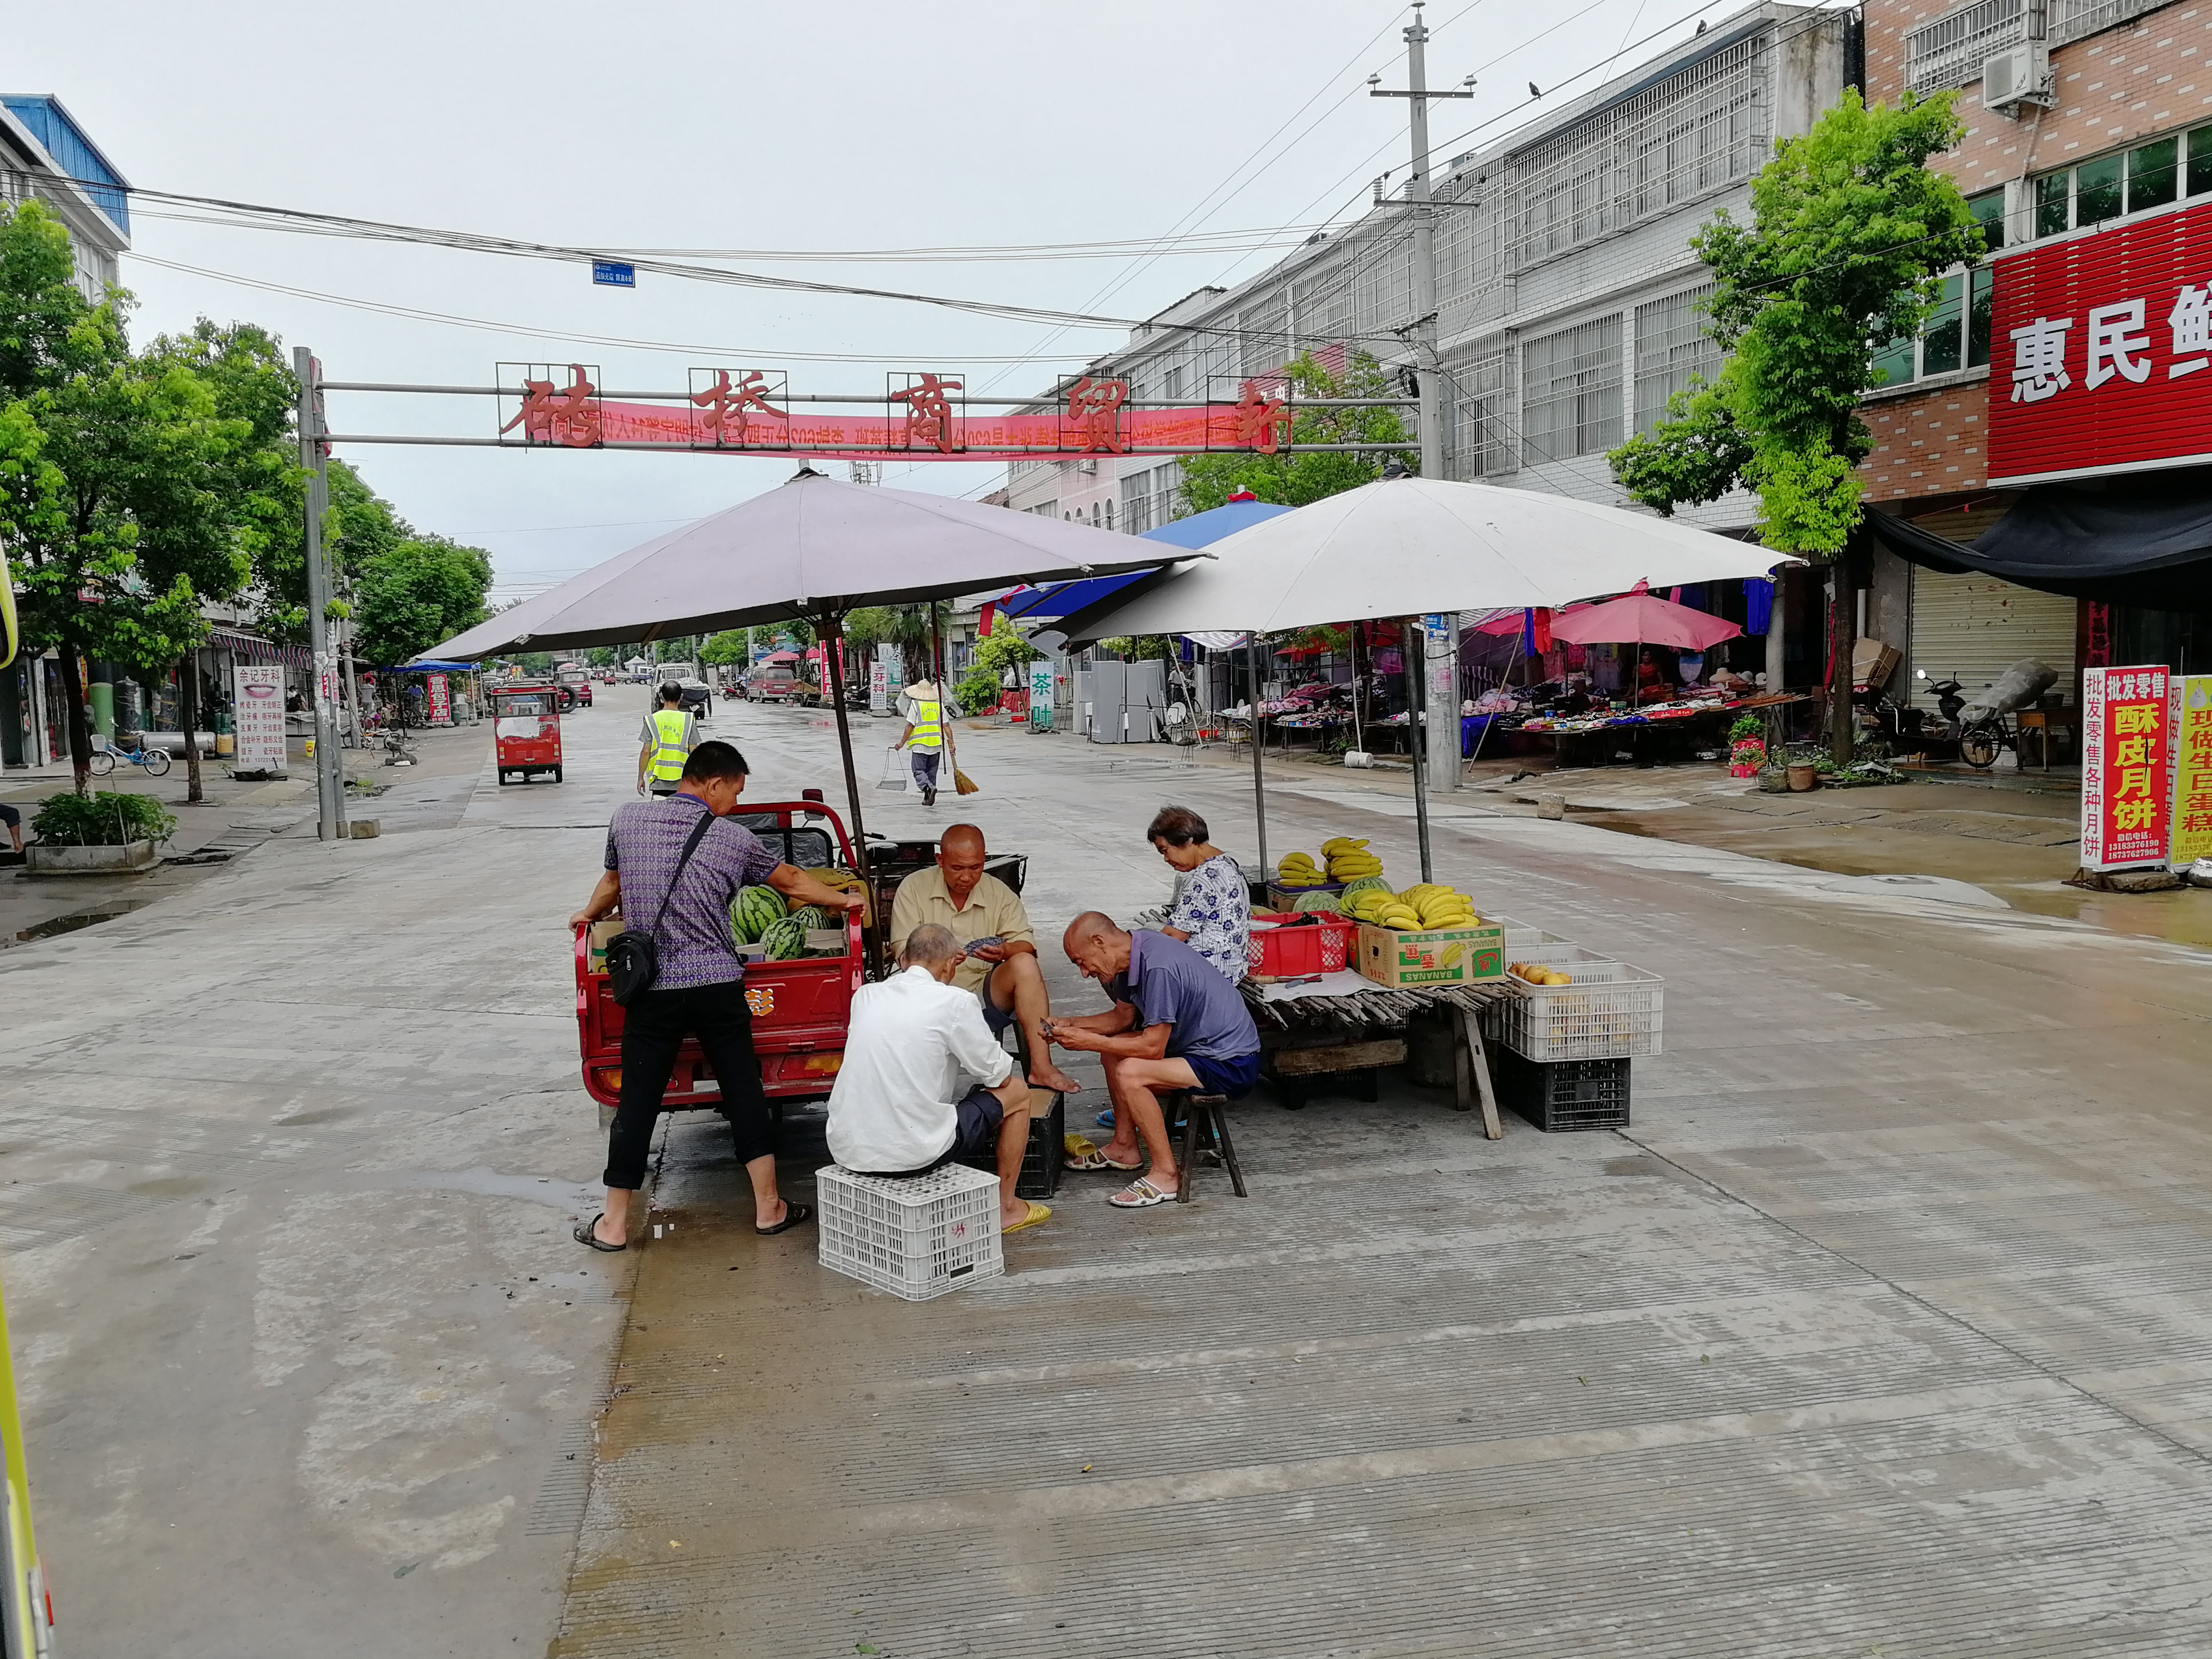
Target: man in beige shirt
x=987, y=917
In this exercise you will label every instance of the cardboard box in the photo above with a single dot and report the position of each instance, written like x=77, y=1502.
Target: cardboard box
x=1872, y=662
x=1444, y=955
x=1283, y=898
x=601, y=931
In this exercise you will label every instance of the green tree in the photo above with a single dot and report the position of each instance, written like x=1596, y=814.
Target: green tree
x=906, y=626
x=1210, y=480
x=1002, y=648
x=1850, y=231
x=726, y=649
x=421, y=590
x=117, y=490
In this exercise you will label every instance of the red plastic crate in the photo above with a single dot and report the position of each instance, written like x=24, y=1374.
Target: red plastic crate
x=1323, y=946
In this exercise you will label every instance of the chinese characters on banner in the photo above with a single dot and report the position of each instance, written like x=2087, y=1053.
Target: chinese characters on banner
x=442, y=700
x=2100, y=348
x=2192, y=785
x=1094, y=410
x=569, y=416
x=879, y=687
x=1040, y=694
x=257, y=744
x=2127, y=766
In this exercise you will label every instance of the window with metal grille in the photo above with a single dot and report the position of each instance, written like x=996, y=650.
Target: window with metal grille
x=1265, y=335
x=1671, y=345
x=1480, y=441
x=1949, y=51
x=1570, y=392
x=1167, y=493
x=1703, y=129
x=1136, y=502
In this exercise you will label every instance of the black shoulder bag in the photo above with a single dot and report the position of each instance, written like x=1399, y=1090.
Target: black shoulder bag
x=633, y=958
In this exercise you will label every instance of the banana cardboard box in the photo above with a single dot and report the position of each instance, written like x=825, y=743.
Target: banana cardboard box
x=1448, y=956
x=601, y=930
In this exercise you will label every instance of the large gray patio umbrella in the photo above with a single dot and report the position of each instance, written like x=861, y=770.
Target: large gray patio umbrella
x=1407, y=547
x=812, y=549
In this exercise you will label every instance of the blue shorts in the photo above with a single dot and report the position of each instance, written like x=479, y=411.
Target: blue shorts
x=1233, y=1077
x=995, y=1018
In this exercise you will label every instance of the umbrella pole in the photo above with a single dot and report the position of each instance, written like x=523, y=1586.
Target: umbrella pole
x=833, y=644
x=1416, y=709
x=1258, y=790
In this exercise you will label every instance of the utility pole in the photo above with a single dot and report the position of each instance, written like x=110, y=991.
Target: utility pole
x=1440, y=737
x=329, y=762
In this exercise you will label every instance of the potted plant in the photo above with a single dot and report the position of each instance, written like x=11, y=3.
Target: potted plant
x=102, y=834
x=1746, y=746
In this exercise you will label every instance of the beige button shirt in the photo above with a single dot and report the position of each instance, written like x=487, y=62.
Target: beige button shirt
x=992, y=909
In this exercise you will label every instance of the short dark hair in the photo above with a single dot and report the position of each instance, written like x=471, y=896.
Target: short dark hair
x=1178, y=826
x=714, y=759
x=671, y=692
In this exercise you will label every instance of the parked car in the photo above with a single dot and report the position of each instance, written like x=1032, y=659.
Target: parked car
x=776, y=684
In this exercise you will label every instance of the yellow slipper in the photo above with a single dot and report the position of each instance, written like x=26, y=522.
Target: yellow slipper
x=1038, y=1215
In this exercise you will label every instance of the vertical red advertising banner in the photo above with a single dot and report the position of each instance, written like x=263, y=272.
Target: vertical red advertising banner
x=2128, y=721
x=442, y=700
x=2192, y=787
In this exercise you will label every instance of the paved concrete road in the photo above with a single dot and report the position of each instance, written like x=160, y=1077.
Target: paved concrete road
x=1882, y=1330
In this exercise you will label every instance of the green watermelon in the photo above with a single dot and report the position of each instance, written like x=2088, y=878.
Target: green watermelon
x=1313, y=902
x=1362, y=884
x=812, y=916
x=784, y=939
x=754, y=908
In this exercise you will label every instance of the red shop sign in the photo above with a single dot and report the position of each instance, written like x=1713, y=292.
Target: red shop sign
x=2127, y=717
x=2101, y=355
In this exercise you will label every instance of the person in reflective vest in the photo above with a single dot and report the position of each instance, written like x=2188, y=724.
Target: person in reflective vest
x=669, y=736
x=924, y=736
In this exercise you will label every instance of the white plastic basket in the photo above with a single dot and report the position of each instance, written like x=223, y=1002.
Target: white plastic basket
x=1609, y=1012
x=917, y=1237
x=1519, y=936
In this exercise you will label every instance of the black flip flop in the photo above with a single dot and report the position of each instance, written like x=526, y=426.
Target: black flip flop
x=587, y=1232
x=795, y=1214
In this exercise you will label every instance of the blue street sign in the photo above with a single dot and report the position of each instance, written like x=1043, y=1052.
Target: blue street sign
x=611, y=273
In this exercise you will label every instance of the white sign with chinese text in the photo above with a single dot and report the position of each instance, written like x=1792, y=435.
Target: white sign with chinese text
x=257, y=741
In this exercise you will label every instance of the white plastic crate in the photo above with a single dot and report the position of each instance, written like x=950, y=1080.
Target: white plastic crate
x=1609, y=1012
x=1519, y=936
x=917, y=1237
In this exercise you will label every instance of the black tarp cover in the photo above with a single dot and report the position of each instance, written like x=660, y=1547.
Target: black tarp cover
x=2139, y=539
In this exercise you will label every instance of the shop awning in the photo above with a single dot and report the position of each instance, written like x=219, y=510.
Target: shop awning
x=253, y=648
x=2143, y=539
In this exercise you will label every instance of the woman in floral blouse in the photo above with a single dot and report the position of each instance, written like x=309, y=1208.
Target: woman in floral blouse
x=1212, y=911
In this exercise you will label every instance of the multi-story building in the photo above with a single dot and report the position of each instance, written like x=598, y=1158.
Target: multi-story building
x=45, y=155
x=1567, y=287
x=2067, y=358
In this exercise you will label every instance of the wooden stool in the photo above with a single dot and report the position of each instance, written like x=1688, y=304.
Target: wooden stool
x=1212, y=1110
x=2039, y=721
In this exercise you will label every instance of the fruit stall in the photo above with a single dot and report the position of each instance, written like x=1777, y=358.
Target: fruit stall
x=1349, y=974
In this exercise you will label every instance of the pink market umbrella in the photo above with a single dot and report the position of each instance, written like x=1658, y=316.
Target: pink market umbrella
x=1642, y=618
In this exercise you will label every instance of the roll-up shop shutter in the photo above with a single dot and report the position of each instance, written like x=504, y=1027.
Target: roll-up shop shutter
x=1972, y=628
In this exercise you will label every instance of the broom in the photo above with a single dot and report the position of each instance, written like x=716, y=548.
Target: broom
x=961, y=781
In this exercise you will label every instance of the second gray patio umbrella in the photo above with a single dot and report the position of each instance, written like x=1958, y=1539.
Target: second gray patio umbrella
x=811, y=550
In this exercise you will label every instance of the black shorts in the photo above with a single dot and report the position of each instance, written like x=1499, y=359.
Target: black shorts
x=977, y=1115
x=9, y=816
x=1233, y=1077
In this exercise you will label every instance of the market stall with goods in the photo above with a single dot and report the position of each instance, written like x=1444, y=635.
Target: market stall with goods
x=1350, y=975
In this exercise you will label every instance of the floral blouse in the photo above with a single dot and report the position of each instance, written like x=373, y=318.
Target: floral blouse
x=1212, y=905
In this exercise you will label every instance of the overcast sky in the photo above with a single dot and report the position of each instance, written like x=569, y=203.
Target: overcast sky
x=793, y=127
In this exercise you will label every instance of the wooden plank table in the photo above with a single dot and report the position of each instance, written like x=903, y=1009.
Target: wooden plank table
x=1304, y=1038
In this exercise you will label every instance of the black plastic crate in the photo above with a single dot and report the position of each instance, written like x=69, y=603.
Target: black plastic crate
x=1563, y=1095
x=1040, y=1175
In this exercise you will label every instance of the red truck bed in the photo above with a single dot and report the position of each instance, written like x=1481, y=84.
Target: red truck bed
x=800, y=1008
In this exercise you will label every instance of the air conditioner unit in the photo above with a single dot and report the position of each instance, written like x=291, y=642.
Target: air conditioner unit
x=2020, y=75
x=1086, y=466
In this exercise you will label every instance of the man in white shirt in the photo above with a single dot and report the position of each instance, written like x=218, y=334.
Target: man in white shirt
x=898, y=1107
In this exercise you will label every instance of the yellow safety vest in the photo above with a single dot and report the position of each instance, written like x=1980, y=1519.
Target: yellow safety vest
x=669, y=754
x=927, y=723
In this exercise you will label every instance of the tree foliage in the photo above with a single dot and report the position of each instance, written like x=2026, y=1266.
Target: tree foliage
x=1210, y=480
x=421, y=590
x=1002, y=648
x=1850, y=231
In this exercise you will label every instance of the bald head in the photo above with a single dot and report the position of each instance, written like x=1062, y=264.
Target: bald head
x=960, y=856
x=1098, y=946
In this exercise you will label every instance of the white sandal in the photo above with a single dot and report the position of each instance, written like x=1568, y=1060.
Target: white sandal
x=1141, y=1194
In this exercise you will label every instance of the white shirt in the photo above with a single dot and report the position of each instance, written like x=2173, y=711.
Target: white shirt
x=912, y=1048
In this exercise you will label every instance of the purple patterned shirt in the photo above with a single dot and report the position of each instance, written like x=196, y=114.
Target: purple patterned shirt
x=643, y=843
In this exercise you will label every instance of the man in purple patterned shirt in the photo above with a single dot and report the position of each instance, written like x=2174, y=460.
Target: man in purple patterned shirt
x=699, y=990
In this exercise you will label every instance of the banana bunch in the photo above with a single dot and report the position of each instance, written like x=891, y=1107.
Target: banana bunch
x=1298, y=870
x=1439, y=906
x=1349, y=860
x=1381, y=907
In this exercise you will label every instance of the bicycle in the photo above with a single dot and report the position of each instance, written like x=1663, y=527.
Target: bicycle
x=155, y=761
